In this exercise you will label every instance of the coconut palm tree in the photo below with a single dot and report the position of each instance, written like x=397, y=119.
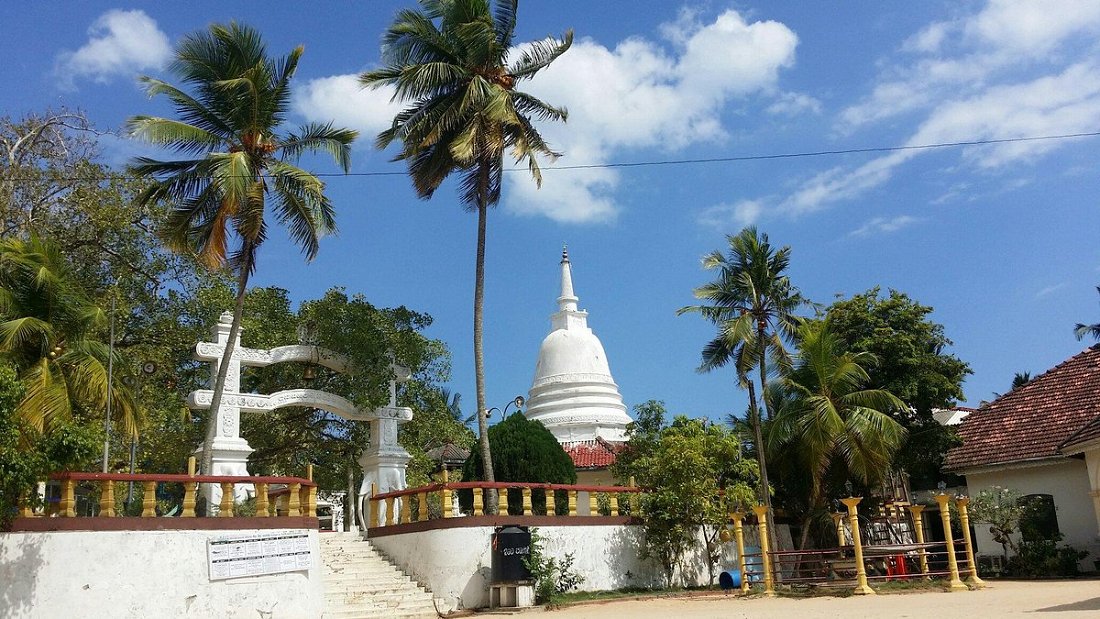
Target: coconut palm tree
x=449, y=63
x=47, y=332
x=834, y=419
x=1081, y=330
x=236, y=161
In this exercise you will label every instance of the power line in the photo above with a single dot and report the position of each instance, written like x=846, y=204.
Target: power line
x=702, y=160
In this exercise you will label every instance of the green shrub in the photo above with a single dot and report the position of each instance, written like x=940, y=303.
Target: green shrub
x=1045, y=559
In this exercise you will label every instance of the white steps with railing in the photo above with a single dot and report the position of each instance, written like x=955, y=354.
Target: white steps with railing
x=360, y=583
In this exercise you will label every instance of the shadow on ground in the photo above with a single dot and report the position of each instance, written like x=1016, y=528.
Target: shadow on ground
x=1092, y=604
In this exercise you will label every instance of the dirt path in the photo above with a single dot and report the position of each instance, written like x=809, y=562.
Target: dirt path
x=1054, y=599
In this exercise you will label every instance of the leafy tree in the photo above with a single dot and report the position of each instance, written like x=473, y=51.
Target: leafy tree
x=752, y=302
x=449, y=61
x=999, y=508
x=47, y=334
x=1080, y=330
x=523, y=451
x=695, y=474
x=912, y=364
x=238, y=161
x=833, y=419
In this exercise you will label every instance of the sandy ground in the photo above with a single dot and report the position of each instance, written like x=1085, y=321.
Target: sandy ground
x=1053, y=599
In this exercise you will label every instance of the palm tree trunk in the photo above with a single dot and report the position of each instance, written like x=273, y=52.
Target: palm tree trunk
x=223, y=367
x=479, y=355
x=762, y=462
x=762, y=362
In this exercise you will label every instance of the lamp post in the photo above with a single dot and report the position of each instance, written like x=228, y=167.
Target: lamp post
x=518, y=401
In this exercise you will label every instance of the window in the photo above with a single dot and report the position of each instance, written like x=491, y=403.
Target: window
x=1038, y=518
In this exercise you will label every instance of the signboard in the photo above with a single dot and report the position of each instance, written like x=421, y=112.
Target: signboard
x=255, y=554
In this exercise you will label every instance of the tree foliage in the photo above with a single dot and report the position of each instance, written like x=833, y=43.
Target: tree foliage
x=911, y=363
x=694, y=474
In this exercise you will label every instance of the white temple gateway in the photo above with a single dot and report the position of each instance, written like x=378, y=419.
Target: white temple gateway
x=573, y=394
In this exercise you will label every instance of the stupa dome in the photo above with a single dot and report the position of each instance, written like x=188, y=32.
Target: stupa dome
x=573, y=394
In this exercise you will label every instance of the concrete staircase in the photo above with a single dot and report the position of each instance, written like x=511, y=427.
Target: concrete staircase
x=362, y=584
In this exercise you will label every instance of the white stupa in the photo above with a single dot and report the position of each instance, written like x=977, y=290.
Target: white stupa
x=573, y=394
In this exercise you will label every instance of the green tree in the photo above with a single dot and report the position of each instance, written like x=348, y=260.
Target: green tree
x=834, y=420
x=449, y=61
x=911, y=362
x=999, y=508
x=752, y=301
x=229, y=127
x=47, y=326
x=1080, y=330
x=695, y=475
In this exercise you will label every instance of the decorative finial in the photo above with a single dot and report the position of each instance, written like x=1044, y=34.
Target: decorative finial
x=564, y=253
x=226, y=318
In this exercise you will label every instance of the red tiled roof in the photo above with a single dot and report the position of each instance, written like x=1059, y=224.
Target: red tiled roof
x=1033, y=421
x=1088, y=433
x=595, y=454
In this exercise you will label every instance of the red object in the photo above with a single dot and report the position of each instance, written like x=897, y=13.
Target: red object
x=594, y=454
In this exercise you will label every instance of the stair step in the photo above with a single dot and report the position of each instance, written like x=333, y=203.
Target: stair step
x=361, y=583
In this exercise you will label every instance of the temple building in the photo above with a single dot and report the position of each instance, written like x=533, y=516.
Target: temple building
x=573, y=394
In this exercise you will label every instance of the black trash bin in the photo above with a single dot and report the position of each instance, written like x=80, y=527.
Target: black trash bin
x=511, y=547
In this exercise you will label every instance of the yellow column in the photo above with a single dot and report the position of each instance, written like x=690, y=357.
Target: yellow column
x=293, y=497
x=406, y=509
x=964, y=519
x=25, y=510
x=107, y=498
x=551, y=503
x=225, y=510
x=633, y=498
x=189, y=489
x=862, y=588
x=389, y=518
x=445, y=500
x=372, y=508
x=149, y=499
x=261, y=501
x=593, y=504
x=572, y=502
x=68, y=500
x=838, y=523
x=944, y=502
x=311, y=493
x=739, y=538
x=479, y=502
x=527, y=502
x=918, y=529
x=762, y=527
x=614, y=499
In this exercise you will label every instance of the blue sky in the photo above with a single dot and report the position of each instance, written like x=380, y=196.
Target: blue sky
x=1000, y=240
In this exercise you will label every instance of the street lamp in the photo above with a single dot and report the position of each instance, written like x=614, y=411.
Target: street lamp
x=518, y=401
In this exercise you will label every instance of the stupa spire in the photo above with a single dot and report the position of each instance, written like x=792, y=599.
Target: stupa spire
x=567, y=302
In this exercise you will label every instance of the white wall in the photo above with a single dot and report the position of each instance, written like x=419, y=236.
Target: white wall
x=143, y=574
x=455, y=563
x=1067, y=482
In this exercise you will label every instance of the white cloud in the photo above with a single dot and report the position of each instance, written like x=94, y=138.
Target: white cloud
x=726, y=216
x=884, y=225
x=339, y=98
x=794, y=103
x=1049, y=290
x=119, y=43
x=639, y=95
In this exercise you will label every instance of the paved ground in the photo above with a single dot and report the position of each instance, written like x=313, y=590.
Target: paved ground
x=1054, y=599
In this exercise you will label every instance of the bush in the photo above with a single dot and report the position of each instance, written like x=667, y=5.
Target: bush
x=1045, y=559
x=552, y=577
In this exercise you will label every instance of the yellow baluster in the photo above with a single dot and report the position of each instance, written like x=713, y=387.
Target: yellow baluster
x=527, y=509
x=372, y=508
x=952, y=564
x=964, y=520
x=862, y=588
x=149, y=499
x=406, y=509
x=739, y=538
x=189, y=490
x=572, y=502
x=761, y=512
x=445, y=500
x=25, y=510
x=838, y=524
x=614, y=497
x=293, y=503
x=635, y=503
x=68, y=500
x=479, y=502
x=391, y=517
x=261, y=501
x=107, y=498
x=551, y=503
x=225, y=510
x=918, y=529
x=593, y=504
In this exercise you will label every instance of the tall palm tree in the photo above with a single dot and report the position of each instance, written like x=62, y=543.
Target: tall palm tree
x=752, y=301
x=449, y=62
x=236, y=161
x=1081, y=330
x=48, y=332
x=834, y=419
